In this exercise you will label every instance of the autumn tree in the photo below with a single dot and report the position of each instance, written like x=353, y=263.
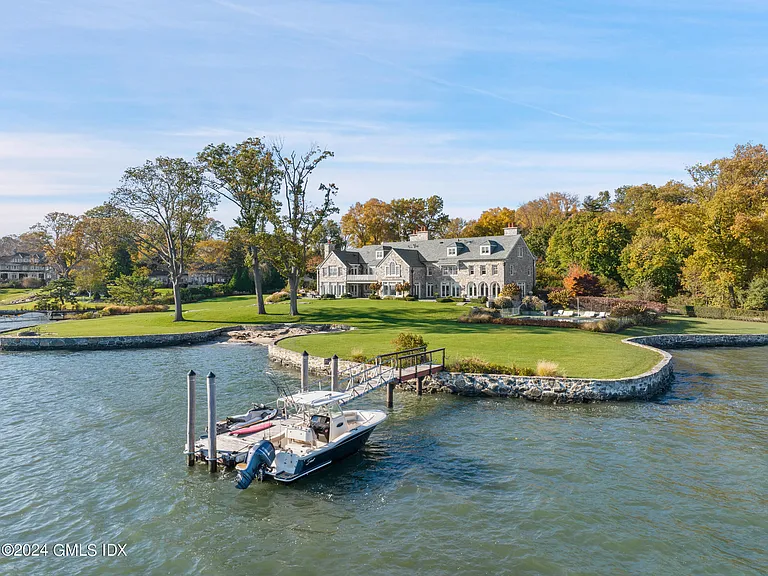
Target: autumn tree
x=554, y=207
x=247, y=175
x=60, y=236
x=726, y=222
x=490, y=223
x=295, y=228
x=167, y=196
x=581, y=282
x=368, y=223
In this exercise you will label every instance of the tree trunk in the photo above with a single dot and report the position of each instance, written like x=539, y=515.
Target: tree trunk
x=732, y=294
x=177, y=302
x=257, y=279
x=293, y=286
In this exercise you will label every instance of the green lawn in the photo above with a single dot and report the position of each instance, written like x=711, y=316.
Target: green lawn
x=579, y=353
x=8, y=295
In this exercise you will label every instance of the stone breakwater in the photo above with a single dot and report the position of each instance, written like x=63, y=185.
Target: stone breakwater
x=554, y=389
x=270, y=333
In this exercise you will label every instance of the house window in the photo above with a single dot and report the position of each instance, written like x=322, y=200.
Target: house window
x=494, y=269
x=429, y=270
x=471, y=270
x=520, y=252
x=485, y=249
x=452, y=251
x=455, y=290
x=529, y=271
x=495, y=289
x=333, y=271
x=355, y=270
x=472, y=290
x=379, y=254
x=430, y=290
x=483, y=289
x=449, y=270
x=482, y=270
x=445, y=290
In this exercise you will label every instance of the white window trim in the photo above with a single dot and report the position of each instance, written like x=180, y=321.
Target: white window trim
x=379, y=254
x=452, y=251
x=485, y=249
x=429, y=270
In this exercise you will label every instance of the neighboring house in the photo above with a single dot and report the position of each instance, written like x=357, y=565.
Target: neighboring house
x=25, y=265
x=196, y=278
x=469, y=267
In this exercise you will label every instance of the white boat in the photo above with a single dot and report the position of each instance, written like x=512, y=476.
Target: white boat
x=310, y=431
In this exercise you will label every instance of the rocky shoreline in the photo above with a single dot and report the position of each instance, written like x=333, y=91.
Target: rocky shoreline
x=271, y=333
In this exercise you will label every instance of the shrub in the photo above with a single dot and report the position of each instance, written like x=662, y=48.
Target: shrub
x=86, y=316
x=481, y=300
x=346, y=296
x=445, y=300
x=30, y=282
x=504, y=302
x=278, y=297
x=411, y=298
x=604, y=325
x=357, y=355
x=374, y=296
x=374, y=286
x=626, y=309
x=581, y=282
x=560, y=297
x=548, y=368
x=510, y=291
x=403, y=287
x=120, y=310
x=730, y=313
x=408, y=340
x=474, y=365
x=327, y=297
x=389, y=298
x=533, y=303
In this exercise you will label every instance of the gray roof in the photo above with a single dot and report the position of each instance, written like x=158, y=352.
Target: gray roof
x=420, y=251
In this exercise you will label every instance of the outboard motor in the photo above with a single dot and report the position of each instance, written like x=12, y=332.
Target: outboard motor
x=260, y=457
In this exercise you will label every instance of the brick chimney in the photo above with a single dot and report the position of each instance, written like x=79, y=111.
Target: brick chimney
x=328, y=248
x=510, y=230
x=422, y=234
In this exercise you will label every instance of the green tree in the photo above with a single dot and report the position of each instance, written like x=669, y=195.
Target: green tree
x=248, y=176
x=60, y=291
x=594, y=241
x=757, y=294
x=291, y=243
x=656, y=258
x=168, y=197
x=133, y=290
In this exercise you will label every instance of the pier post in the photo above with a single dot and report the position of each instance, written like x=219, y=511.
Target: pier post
x=304, y=371
x=334, y=373
x=391, y=394
x=211, y=389
x=419, y=380
x=191, y=382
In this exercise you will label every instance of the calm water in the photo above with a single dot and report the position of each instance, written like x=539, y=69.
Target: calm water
x=91, y=452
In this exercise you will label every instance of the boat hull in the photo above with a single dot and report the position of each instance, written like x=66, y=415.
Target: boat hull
x=314, y=462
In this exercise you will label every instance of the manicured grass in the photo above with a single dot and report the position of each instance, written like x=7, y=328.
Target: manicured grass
x=8, y=295
x=578, y=352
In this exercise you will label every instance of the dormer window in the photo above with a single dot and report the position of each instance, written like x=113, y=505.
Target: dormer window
x=452, y=251
x=379, y=254
x=485, y=249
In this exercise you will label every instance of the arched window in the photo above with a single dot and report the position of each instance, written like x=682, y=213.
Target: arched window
x=495, y=289
x=472, y=290
x=483, y=289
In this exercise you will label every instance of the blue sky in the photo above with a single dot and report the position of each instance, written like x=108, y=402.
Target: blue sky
x=484, y=103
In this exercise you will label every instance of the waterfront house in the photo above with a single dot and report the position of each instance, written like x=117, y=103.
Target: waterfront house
x=458, y=267
x=25, y=265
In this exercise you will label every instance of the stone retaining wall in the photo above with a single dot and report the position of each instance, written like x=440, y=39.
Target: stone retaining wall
x=555, y=390
x=34, y=343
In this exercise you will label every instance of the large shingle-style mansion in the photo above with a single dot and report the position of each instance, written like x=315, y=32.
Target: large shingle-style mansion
x=23, y=265
x=469, y=267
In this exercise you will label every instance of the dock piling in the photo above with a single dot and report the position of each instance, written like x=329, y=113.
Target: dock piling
x=391, y=394
x=305, y=371
x=211, y=390
x=419, y=381
x=191, y=383
x=334, y=373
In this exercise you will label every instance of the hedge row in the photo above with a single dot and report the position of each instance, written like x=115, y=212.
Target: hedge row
x=604, y=304
x=727, y=313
